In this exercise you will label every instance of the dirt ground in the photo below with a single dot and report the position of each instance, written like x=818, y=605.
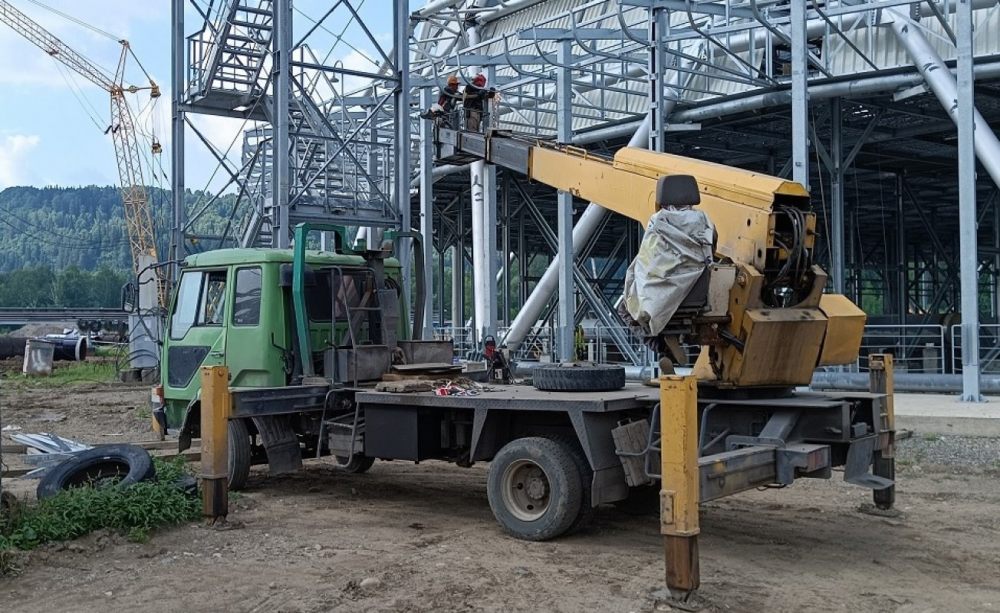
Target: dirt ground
x=410, y=537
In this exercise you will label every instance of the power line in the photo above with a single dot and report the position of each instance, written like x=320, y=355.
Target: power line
x=77, y=21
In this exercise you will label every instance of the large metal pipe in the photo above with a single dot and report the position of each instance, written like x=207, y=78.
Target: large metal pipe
x=942, y=82
x=904, y=382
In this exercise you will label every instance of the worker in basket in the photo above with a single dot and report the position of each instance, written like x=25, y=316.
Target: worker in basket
x=443, y=111
x=474, y=97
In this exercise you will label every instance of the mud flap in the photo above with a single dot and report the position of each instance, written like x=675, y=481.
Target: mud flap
x=859, y=460
x=281, y=443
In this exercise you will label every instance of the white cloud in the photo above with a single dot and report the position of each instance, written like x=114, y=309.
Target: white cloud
x=14, y=148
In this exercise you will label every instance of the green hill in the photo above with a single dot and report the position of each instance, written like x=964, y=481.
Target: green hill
x=67, y=246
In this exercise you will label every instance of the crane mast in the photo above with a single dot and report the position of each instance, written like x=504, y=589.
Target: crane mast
x=135, y=197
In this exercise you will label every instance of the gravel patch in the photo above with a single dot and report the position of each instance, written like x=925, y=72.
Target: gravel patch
x=978, y=451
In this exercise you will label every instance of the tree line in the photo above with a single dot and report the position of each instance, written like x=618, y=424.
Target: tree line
x=40, y=286
x=59, y=227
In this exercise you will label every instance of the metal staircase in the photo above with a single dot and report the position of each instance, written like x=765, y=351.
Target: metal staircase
x=228, y=56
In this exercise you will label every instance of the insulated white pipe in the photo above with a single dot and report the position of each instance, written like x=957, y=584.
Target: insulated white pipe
x=480, y=269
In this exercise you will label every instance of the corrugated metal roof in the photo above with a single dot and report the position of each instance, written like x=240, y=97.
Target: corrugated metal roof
x=716, y=77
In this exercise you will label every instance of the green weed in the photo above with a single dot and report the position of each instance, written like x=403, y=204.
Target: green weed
x=67, y=373
x=133, y=511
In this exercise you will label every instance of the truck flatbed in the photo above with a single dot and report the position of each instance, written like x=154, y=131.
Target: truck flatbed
x=522, y=398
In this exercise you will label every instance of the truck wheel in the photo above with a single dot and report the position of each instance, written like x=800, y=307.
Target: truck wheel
x=356, y=465
x=239, y=454
x=884, y=467
x=571, y=377
x=534, y=488
x=587, y=510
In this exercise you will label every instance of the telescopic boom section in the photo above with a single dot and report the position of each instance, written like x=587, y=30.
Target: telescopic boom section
x=739, y=202
x=138, y=218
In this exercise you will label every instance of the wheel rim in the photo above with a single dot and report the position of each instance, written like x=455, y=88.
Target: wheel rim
x=526, y=490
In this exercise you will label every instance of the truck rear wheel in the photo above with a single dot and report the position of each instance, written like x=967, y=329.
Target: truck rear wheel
x=239, y=454
x=535, y=488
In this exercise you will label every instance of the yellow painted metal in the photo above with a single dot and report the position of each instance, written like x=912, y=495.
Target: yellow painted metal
x=881, y=380
x=845, y=326
x=740, y=203
x=215, y=411
x=679, y=492
x=781, y=346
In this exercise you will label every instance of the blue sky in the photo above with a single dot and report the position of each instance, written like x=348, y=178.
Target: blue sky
x=52, y=122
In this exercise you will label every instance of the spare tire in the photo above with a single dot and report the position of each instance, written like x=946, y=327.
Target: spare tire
x=122, y=465
x=571, y=377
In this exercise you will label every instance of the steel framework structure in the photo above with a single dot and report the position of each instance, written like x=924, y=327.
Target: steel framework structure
x=869, y=102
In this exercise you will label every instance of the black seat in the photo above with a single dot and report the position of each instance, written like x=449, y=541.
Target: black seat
x=677, y=191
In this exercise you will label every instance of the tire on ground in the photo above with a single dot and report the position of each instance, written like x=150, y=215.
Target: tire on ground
x=122, y=465
x=555, y=485
x=578, y=377
x=239, y=454
x=356, y=465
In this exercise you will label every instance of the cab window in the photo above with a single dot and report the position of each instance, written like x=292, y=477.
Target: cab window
x=201, y=301
x=186, y=304
x=246, y=298
x=213, y=299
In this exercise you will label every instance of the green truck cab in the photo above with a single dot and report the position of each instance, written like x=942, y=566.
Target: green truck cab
x=244, y=309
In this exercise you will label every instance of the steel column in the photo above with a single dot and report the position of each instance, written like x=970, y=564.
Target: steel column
x=281, y=232
x=968, y=259
x=401, y=109
x=564, y=128
x=902, y=293
x=177, y=88
x=800, y=93
x=836, y=199
x=427, y=211
x=657, y=70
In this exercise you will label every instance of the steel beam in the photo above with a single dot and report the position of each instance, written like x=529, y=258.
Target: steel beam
x=427, y=212
x=178, y=45
x=968, y=258
x=401, y=112
x=281, y=86
x=567, y=293
x=836, y=198
x=800, y=93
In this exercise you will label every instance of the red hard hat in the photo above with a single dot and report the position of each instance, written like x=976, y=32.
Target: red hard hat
x=480, y=79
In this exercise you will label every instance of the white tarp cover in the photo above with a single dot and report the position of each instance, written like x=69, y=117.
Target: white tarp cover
x=674, y=253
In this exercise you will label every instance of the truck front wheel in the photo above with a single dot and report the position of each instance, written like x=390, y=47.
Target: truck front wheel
x=535, y=488
x=239, y=454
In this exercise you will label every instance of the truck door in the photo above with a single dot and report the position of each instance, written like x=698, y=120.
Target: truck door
x=256, y=331
x=196, y=330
